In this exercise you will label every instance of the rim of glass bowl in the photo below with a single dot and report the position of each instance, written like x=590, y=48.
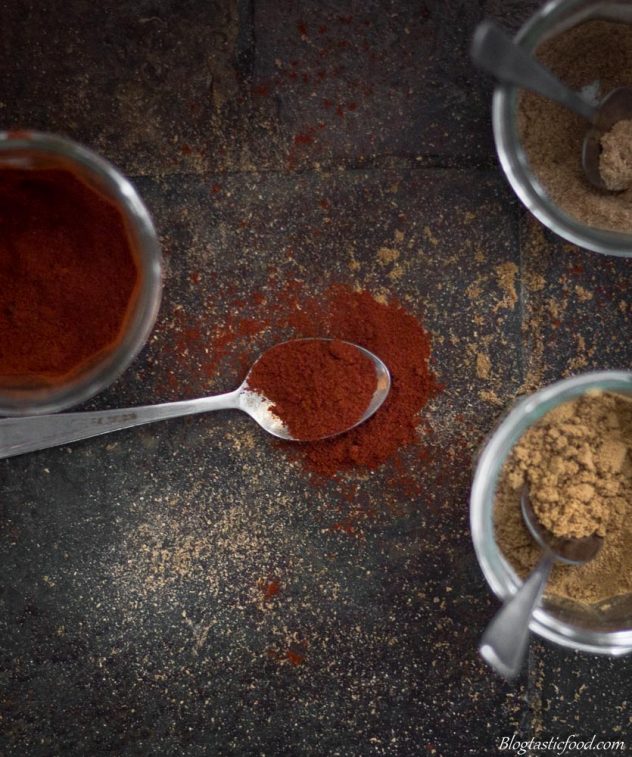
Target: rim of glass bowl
x=513, y=158
x=499, y=574
x=15, y=147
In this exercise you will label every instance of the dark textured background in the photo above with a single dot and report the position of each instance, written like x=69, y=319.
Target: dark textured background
x=305, y=136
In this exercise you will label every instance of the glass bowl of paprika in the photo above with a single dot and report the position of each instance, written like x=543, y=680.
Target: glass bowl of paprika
x=80, y=273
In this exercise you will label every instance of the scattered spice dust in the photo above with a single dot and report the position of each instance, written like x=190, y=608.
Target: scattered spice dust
x=296, y=658
x=269, y=588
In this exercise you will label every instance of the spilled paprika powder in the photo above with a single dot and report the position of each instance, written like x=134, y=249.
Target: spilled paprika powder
x=386, y=329
x=317, y=387
x=67, y=275
x=286, y=310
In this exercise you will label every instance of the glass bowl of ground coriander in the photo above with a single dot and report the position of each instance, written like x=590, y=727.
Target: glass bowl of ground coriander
x=571, y=444
x=588, y=45
x=80, y=273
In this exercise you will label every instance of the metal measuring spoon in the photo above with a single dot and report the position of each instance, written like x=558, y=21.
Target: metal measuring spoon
x=20, y=435
x=505, y=640
x=496, y=53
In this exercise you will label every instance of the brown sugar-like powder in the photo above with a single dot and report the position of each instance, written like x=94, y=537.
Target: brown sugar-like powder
x=596, y=57
x=577, y=466
x=615, y=161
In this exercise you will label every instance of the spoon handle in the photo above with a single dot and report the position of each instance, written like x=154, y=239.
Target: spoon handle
x=20, y=435
x=505, y=640
x=496, y=53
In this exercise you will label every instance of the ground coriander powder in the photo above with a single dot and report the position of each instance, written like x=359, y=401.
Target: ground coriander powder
x=615, y=161
x=576, y=463
x=594, y=57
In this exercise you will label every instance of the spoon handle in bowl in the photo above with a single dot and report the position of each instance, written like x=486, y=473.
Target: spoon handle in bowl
x=496, y=53
x=505, y=640
x=20, y=435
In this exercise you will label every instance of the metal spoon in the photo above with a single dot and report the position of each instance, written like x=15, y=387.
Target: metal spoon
x=20, y=435
x=496, y=53
x=505, y=640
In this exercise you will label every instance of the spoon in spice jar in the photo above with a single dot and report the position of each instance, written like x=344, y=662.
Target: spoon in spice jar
x=496, y=53
x=505, y=640
x=334, y=386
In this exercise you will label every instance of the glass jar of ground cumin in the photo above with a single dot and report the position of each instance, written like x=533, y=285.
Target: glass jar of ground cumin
x=604, y=626
x=80, y=273
x=588, y=45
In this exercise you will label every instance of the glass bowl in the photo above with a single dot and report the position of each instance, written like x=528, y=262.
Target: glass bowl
x=552, y=19
x=605, y=628
x=33, y=150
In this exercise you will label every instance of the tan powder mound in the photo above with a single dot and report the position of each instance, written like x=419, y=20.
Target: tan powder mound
x=577, y=465
x=615, y=161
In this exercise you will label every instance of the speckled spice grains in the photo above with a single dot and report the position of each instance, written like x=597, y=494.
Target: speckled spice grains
x=206, y=550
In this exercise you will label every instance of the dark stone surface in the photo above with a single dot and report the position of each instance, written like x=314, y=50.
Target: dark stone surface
x=132, y=615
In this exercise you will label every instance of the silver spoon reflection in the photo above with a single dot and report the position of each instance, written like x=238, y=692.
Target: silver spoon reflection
x=20, y=435
x=505, y=640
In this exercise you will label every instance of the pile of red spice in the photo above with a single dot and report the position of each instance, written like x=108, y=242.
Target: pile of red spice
x=67, y=275
x=317, y=388
x=387, y=330
x=286, y=310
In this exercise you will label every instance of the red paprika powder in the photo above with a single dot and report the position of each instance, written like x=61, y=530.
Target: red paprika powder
x=285, y=311
x=398, y=338
x=317, y=387
x=67, y=275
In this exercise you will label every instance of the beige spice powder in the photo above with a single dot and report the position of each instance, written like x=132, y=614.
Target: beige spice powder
x=615, y=161
x=595, y=55
x=577, y=465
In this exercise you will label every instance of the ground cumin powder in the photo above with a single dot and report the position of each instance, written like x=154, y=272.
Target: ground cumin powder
x=577, y=465
x=596, y=57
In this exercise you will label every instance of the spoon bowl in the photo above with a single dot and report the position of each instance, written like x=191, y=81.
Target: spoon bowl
x=615, y=107
x=569, y=551
x=21, y=435
x=259, y=407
